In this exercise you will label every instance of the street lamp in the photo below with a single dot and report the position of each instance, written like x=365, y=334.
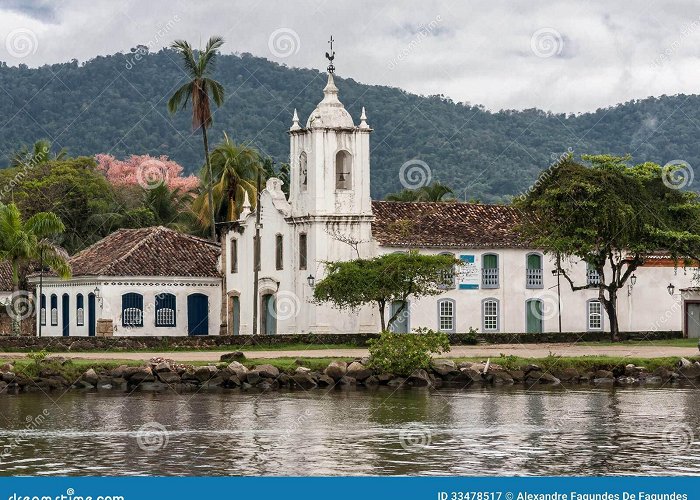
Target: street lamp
x=633, y=279
x=311, y=280
x=670, y=288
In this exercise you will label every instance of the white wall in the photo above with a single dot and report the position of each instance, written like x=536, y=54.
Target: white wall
x=111, y=291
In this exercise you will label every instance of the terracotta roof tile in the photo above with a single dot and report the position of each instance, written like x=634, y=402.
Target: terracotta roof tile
x=446, y=224
x=5, y=276
x=151, y=251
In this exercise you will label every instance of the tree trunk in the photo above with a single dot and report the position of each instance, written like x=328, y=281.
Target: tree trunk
x=611, y=310
x=16, y=316
x=210, y=187
x=381, y=315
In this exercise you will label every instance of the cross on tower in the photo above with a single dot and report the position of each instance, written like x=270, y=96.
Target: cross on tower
x=331, y=56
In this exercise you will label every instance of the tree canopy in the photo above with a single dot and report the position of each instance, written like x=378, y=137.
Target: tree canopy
x=383, y=280
x=612, y=215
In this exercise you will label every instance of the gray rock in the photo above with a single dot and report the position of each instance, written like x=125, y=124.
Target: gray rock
x=383, y=378
x=7, y=367
x=653, y=380
x=538, y=377
x=304, y=380
x=603, y=374
x=138, y=374
x=267, y=371
x=443, y=366
x=517, y=375
x=284, y=379
x=358, y=371
x=81, y=345
x=169, y=377
x=336, y=369
x=204, y=373
x=90, y=377
x=419, y=378
x=604, y=381
x=326, y=381
x=396, y=382
x=119, y=371
x=688, y=369
x=371, y=381
x=302, y=369
x=163, y=366
x=472, y=374
x=568, y=375
x=347, y=380
x=232, y=356
x=8, y=377
x=3, y=386
x=264, y=385
x=54, y=358
x=253, y=377
x=626, y=380
x=153, y=386
x=501, y=377
x=237, y=368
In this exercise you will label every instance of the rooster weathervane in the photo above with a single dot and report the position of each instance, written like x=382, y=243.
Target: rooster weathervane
x=330, y=56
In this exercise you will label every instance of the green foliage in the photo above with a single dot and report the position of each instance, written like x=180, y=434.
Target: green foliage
x=434, y=192
x=401, y=354
x=383, y=280
x=37, y=357
x=610, y=215
x=463, y=144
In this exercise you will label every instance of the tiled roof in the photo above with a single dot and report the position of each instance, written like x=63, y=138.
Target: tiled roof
x=150, y=251
x=5, y=276
x=445, y=224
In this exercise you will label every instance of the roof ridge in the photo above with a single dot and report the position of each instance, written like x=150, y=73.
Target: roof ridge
x=449, y=202
x=138, y=245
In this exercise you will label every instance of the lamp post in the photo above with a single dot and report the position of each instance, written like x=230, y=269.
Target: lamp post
x=670, y=288
x=311, y=280
x=41, y=288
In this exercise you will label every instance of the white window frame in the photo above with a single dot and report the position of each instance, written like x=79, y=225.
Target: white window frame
x=448, y=316
x=591, y=315
x=487, y=317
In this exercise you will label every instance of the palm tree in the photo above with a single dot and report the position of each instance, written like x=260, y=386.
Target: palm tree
x=171, y=207
x=235, y=169
x=40, y=153
x=23, y=243
x=198, y=90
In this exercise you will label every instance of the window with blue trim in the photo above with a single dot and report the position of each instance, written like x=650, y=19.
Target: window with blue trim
x=165, y=309
x=54, y=310
x=132, y=310
x=80, y=310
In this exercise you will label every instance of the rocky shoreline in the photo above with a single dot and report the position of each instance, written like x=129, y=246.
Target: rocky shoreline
x=162, y=374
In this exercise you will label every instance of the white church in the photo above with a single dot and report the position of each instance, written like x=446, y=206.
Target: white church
x=157, y=282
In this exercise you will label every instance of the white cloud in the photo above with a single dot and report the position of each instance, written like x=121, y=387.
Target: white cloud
x=470, y=51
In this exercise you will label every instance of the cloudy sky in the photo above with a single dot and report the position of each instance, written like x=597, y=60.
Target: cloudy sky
x=567, y=56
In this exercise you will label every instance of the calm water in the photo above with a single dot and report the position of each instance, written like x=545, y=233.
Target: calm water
x=552, y=431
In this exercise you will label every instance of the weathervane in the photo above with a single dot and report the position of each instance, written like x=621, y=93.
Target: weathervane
x=330, y=57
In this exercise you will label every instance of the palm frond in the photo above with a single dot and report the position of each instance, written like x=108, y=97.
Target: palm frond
x=180, y=97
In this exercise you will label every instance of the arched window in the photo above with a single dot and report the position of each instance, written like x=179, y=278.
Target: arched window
x=54, y=310
x=534, y=314
x=490, y=321
x=533, y=270
x=402, y=322
x=165, y=309
x=446, y=315
x=79, y=310
x=343, y=170
x=594, y=315
x=132, y=310
x=302, y=251
x=448, y=277
x=42, y=312
x=489, y=271
x=303, y=172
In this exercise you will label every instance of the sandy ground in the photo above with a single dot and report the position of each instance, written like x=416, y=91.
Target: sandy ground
x=485, y=351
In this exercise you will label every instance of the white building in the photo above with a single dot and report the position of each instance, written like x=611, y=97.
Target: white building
x=504, y=286
x=150, y=281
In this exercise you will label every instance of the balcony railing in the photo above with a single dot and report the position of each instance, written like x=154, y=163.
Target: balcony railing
x=489, y=277
x=534, y=278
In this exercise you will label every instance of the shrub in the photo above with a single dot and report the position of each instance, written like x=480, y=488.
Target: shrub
x=401, y=353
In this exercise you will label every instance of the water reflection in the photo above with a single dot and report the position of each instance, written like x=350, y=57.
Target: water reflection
x=510, y=431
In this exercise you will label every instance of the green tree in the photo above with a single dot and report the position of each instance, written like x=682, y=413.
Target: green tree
x=198, y=90
x=40, y=152
x=170, y=207
x=235, y=168
x=436, y=191
x=383, y=280
x=612, y=216
x=27, y=242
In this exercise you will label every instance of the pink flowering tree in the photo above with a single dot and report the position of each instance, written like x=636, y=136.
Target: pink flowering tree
x=146, y=171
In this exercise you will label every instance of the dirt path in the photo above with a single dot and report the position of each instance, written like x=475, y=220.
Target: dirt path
x=492, y=351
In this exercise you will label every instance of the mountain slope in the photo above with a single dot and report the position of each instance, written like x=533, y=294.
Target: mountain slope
x=117, y=104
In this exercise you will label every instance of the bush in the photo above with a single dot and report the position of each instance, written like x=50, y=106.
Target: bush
x=401, y=353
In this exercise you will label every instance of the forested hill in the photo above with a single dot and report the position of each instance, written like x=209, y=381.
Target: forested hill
x=117, y=104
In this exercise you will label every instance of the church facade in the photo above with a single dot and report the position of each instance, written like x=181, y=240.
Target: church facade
x=502, y=286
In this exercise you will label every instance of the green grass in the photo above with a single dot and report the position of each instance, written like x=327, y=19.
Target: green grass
x=665, y=343
x=580, y=363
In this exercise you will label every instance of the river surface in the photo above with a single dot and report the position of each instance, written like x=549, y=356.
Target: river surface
x=514, y=431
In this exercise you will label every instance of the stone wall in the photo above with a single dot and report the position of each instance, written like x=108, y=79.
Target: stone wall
x=58, y=344
x=6, y=324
